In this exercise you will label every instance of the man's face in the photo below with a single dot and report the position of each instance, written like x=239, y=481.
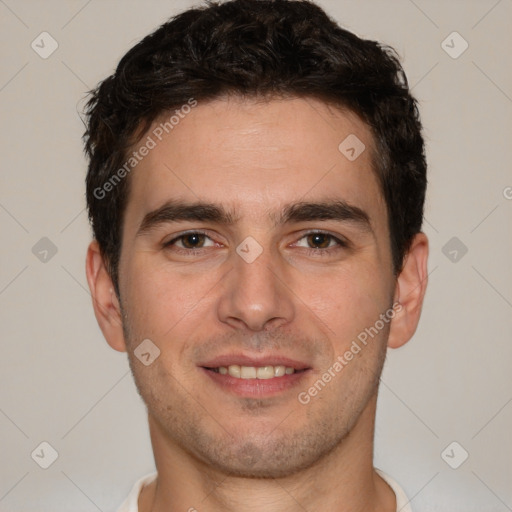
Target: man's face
x=289, y=261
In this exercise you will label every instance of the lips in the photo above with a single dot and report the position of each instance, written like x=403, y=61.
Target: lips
x=255, y=376
x=260, y=361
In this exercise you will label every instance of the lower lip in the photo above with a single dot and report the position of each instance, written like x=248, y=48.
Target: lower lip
x=256, y=388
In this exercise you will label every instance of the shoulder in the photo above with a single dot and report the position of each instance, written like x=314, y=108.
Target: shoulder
x=402, y=502
x=131, y=503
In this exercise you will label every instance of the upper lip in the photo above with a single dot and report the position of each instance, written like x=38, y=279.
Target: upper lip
x=253, y=360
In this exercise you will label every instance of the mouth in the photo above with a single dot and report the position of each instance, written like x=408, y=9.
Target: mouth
x=255, y=372
x=255, y=377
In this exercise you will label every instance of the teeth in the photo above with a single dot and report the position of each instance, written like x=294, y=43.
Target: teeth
x=247, y=372
x=279, y=371
x=234, y=371
x=265, y=372
x=252, y=372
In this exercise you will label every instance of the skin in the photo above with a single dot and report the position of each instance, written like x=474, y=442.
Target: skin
x=215, y=450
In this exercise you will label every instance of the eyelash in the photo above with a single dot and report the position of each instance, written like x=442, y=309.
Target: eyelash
x=341, y=244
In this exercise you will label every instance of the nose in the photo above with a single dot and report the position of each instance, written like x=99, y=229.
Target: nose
x=254, y=295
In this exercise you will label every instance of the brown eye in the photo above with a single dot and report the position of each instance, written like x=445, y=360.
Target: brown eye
x=193, y=240
x=319, y=240
x=190, y=241
x=320, y=243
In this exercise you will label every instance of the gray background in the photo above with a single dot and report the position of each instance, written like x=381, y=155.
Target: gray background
x=62, y=384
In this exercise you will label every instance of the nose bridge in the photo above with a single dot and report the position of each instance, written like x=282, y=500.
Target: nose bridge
x=257, y=279
x=254, y=294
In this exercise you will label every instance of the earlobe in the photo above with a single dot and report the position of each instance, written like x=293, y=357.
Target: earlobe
x=105, y=302
x=409, y=292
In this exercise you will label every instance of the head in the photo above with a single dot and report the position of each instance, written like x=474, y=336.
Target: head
x=220, y=135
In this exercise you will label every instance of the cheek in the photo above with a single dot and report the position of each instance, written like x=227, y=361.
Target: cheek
x=158, y=299
x=346, y=300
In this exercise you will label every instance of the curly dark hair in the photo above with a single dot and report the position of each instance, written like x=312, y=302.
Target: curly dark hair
x=255, y=48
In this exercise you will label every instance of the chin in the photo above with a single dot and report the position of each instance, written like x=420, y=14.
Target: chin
x=264, y=457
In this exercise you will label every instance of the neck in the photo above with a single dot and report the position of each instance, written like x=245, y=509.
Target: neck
x=343, y=481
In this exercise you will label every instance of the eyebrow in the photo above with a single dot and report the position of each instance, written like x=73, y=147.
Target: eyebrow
x=176, y=211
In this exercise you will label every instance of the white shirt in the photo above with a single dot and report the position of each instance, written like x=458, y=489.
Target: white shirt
x=131, y=504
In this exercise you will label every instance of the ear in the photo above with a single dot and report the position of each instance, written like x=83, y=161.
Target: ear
x=104, y=299
x=409, y=293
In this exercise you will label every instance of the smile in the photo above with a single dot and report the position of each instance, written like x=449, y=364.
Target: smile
x=254, y=372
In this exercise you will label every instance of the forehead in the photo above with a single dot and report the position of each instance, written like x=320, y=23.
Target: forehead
x=254, y=156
